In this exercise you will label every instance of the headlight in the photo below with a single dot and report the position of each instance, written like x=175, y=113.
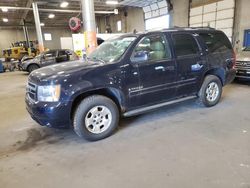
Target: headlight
x=49, y=93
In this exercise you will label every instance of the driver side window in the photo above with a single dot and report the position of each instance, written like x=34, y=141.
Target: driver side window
x=50, y=54
x=155, y=47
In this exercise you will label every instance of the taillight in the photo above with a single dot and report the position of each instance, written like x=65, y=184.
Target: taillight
x=234, y=59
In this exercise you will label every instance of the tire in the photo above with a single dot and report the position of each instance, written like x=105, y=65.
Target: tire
x=211, y=91
x=12, y=68
x=32, y=68
x=95, y=118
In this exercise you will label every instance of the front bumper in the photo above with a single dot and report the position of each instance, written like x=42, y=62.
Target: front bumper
x=24, y=66
x=56, y=114
x=242, y=73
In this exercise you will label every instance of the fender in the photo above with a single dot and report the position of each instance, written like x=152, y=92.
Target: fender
x=86, y=89
x=219, y=72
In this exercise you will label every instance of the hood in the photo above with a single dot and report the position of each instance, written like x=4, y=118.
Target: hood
x=243, y=56
x=53, y=73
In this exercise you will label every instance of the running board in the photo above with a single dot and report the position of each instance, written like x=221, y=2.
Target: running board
x=149, y=108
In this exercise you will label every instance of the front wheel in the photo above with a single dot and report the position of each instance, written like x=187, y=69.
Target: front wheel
x=32, y=68
x=211, y=90
x=96, y=118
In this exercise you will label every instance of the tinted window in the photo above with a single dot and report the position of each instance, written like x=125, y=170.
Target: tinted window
x=185, y=44
x=216, y=42
x=155, y=46
x=62, y=52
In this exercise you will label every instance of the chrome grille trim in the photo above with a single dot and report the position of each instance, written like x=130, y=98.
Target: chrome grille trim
x=31, y=91
x=243, y=65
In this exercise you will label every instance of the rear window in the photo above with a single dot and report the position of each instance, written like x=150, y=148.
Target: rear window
x=216, y=42
x=185, y=44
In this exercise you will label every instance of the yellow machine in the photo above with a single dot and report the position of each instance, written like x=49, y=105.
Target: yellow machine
x=19, y=50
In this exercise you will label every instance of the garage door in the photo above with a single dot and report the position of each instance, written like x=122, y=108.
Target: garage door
x=156, y=16
x=219, y=15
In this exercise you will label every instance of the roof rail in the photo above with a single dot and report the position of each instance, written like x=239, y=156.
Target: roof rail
x=176, y=28
x=185, y=28
x=207, y=27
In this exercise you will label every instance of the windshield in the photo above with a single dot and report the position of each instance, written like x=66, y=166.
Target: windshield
x=112, y=50
x=247, y=49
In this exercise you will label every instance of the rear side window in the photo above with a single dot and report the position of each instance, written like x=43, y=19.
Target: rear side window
x=216, y=42
x=185, y=44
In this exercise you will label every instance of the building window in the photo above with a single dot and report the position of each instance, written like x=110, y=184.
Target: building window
x=47, y=36
x=119, y=25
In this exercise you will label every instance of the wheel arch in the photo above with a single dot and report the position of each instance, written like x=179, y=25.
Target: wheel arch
x=219, y=72
x=114, y=94
x=32, y=64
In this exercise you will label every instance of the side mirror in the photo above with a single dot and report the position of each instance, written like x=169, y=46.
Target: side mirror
x=139, y=57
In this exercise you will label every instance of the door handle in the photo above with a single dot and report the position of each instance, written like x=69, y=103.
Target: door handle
x=160, y=68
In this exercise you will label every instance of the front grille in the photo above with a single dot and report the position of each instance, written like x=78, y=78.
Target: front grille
x=31, y=91
x=243, y=65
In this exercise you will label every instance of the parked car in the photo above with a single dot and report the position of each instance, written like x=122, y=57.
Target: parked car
x=243, y=64
x=48, y=58
x=130, y=75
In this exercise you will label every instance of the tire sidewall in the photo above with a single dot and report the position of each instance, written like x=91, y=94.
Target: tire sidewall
x=30, y=68
x=202, y=94
x=82, y=111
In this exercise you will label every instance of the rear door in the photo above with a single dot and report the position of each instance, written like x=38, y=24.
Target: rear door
x=158, y=73
x=191, y=63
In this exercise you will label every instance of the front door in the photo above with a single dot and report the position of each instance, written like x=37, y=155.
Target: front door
x=49, y=58
x=191, y=63
x=157, y=72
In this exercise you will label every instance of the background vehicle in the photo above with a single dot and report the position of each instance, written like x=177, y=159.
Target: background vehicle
x=130, y=75
x=48, y=58
x=20, y=49
x=243, y=64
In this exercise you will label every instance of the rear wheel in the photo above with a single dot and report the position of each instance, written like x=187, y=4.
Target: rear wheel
x=211, y=90
x=96, y=118
x=32, y=68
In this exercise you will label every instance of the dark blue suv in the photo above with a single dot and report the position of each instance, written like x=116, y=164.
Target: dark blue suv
x=130, y=75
